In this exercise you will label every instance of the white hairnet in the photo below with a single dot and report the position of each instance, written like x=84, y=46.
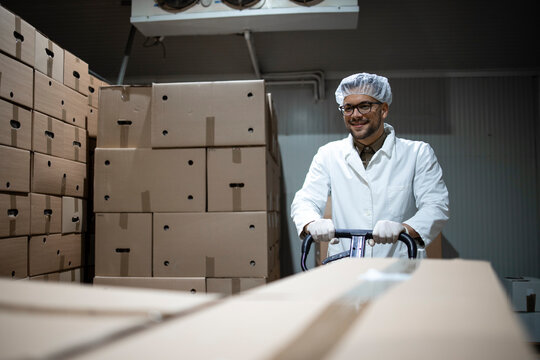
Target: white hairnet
x=372, y=85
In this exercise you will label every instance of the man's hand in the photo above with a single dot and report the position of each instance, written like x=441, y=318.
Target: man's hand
x=387, y=232
x=321, y=230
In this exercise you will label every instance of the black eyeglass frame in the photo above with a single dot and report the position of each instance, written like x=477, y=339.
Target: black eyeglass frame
x=357, y=107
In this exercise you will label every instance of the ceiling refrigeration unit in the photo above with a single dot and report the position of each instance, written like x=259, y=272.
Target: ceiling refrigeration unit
x=220, y=17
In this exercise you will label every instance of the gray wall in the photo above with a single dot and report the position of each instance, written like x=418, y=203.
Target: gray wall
x=484, y=130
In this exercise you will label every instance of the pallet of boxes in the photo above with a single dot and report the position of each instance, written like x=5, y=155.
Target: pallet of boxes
x=44, y=93
x=186, y=189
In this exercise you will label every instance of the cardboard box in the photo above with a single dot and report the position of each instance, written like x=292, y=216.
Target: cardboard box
x=69, y=276
x=17, y=82
x=60, y=318
x=45, y=214
x=76, y=73
x=49, y=58
x=14, y=215
x=56, y=176
x=124, y=244
x=212, y=244
x=15, y=126
x=531, y=321
x=124, y=117
x=15, y=165
x=223, y=113
x=524, y=292
x=357, y=306
x=93, y=91
x=53, y=98
x=75, y=143
x=55, y=252
x=48, y=135
x=73, y=215
x=240, y=179
x=192, y=285
x=14, y=257
x=92, y=121
x=149, y=180
x=17, y=37
x=231, y=286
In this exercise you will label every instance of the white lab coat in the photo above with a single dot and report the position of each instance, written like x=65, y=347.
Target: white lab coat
x=402, y=182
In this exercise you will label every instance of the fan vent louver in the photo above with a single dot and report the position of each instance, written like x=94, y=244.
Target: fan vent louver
x=240, y=4
x=307, y=2
x=175, y=4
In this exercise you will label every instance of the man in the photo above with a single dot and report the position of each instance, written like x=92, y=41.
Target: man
x=376, y=180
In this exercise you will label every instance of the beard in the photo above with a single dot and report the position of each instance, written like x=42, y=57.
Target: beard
x=369, y=129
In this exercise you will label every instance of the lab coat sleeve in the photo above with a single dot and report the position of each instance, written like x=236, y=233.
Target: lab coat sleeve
x=431, y=196
x=310, y=201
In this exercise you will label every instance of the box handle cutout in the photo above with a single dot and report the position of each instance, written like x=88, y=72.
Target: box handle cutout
x=47, y=212
x=77, y=143
x=49, y=53
x=76, y=74
x=15, y=124
x=91, y=89
x=49, y=134
x=124, y=122
x=12, y=213
x=75, y=219
x=235, y=185
x=18, y=36
x=123, y=250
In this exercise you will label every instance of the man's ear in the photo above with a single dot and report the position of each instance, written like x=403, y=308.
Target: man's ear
x=384, y=110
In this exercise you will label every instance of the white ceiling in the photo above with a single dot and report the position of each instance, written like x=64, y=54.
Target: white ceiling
x=391, y=36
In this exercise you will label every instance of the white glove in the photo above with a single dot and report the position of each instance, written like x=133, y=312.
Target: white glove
x=321, y=230
x=387, y=232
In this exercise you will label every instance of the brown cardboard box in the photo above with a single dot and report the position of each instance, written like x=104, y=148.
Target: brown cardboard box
x=239, y=179
x=75, y=143
x=358, y=306
x=124, y=117
x=45, y=214
x=56, y=176
x=14, y=215
x=73, y=215
x=149, y=180
x=193, y=285
x=231, y=286
x=55, y=252
x=48, y=135
x=49, y=58
x=93, y=91
x=69, y=276
x=124, y=244
x=225, y=113
x=272, y=129
x=53, y=98
x=15, y=166
x=60, y=318
x=15, y=126
x=16, y=82
x=212, y=244
x=92, y=121
x=17, y=37
x=76, y=73
x=14, y=257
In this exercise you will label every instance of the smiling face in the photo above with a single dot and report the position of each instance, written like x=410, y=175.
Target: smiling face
x=365, y=128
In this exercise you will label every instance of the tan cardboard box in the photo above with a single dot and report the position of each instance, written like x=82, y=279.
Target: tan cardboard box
x=16, y=82
x=124, y=117
x=194, y=285
x=45, y=214
x=69, y=276
x=15, y=166
x=379, y=308
x=231, y=286
x=14, y=257
x=17, y=37
x=49, y=58
x=14, y=215
x=48, y=135
x=150, y=180
x=223, y=113
x=76, y=73
x=73, y=215
x=57, y=176
x=75, y=143
x=55, y=252
x=93, y=90
x=53, y=98
x=124, y=244
x=272, y=129
x=15, y=126
x=239, y=179
x=92, y=121
x=60, y=318
x=212, y=244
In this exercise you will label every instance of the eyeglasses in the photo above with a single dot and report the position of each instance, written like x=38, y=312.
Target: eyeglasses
x=363, y=108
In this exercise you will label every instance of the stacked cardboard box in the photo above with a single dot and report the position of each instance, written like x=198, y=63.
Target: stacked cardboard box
x=187, y=186
x=44, y=92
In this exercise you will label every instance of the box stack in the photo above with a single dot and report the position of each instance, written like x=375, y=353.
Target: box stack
x=43, y=149
x=187, y=186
